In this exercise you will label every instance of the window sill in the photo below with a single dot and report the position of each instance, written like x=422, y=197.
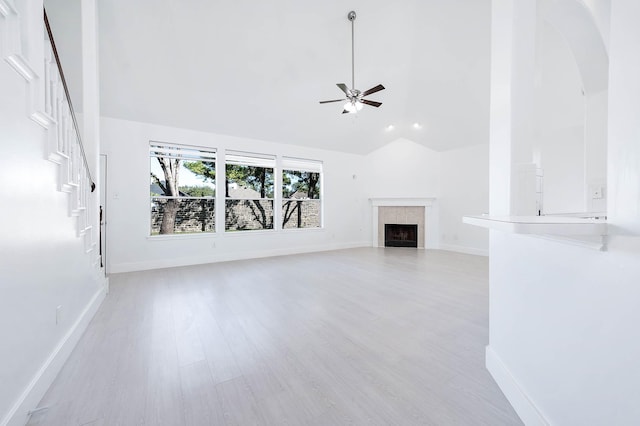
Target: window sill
x=163, y=237
x=293, y=230
x=231, y=234
x=249, y=232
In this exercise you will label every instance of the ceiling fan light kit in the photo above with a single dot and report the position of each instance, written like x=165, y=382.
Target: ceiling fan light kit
x=352, y=107
x=355, y=98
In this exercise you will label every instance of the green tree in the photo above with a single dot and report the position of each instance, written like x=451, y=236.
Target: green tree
x=204, y=169
x=260, y=179
x=295, y=181
x=198, y=191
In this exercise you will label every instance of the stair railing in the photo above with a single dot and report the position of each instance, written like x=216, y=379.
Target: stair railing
x=78, y=137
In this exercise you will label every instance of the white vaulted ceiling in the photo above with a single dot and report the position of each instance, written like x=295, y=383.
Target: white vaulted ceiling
x=258, y=69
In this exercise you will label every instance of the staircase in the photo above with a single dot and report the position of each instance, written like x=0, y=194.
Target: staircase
x=51, y=108
x=65, y=146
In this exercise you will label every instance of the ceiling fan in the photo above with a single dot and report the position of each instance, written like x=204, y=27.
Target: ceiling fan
x=355, y=98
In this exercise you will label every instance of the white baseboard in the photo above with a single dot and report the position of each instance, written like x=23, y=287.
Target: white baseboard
x=464, y=249
x=29, y=399
x=226, y=257
x=517, y=397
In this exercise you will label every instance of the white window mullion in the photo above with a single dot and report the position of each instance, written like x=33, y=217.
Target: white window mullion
x=221, y=192
x=277, y=194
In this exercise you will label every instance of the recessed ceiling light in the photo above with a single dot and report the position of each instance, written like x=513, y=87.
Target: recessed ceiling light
x=390, y=127
x=417, y=126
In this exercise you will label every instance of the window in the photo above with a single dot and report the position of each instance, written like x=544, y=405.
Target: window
x=182, y=189
x=249, y=191
x=301, y=204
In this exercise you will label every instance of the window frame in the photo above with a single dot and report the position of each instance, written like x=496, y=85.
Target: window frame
x=301, y=165
x=187, y=153
x=251, y=159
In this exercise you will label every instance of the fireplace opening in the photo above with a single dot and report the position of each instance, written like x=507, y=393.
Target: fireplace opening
x=396, y=235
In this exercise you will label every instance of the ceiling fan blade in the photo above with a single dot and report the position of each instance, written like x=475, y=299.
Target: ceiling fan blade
x=335, y=100
x=378, y=88
x=372, y=103
x=344, y=88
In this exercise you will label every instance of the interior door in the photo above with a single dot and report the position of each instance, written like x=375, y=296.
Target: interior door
x=103, y=211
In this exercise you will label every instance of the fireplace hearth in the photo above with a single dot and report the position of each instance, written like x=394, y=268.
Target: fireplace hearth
x=400, y=235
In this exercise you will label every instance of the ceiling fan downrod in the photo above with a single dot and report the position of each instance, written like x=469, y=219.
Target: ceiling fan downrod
x=352, y=17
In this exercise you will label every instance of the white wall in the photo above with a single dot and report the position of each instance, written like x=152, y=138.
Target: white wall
x=458, y=179
x=601, y=10
x=571, y=103
x=464, y=190
x=560, y=111
x=65, y=19
x=563, y=322
x=402, y=168
x=43, y=263
x=126, y=145
x=596, y=150
x=624, y=107
x=405, y=169
x=563, y=319
x=571, y=109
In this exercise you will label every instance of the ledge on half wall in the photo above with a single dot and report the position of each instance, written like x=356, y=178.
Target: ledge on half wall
x=585, y=232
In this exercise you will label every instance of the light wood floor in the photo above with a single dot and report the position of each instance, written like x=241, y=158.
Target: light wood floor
x=362, y=336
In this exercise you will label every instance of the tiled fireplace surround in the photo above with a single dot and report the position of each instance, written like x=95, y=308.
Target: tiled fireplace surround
x=406, y=211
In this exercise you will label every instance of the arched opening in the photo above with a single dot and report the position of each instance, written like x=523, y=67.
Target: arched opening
x=571, y=109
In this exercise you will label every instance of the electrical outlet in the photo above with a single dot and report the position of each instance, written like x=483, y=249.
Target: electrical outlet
x=597, y=192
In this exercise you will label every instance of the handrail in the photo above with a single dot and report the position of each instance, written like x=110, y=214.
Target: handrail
x=66, y=92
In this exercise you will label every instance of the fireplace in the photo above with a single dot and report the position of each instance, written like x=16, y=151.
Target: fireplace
x=400, y=235
x=405, y=211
